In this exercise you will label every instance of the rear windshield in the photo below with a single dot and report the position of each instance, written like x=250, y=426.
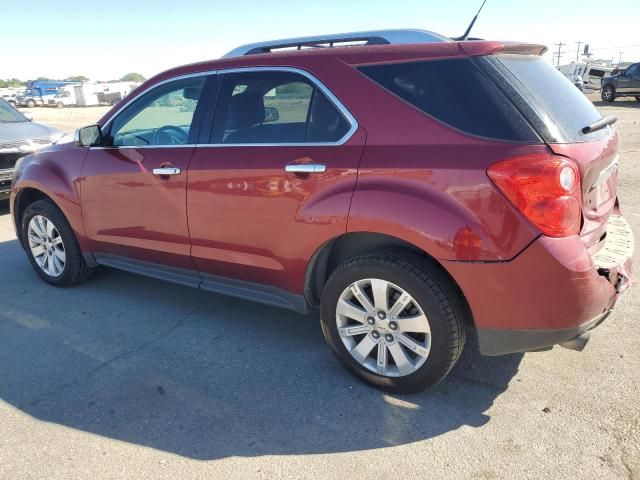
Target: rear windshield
x=456, y=92
x=562, y=107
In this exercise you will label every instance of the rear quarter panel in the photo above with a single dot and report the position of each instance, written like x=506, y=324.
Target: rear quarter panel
x=426, y=183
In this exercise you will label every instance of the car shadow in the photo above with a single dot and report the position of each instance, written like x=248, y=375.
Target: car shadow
x=205, y=376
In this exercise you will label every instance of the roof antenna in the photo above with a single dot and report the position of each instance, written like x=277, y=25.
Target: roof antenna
x=466, y=34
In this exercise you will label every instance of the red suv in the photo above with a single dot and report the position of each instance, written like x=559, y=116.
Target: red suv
x=417, y=191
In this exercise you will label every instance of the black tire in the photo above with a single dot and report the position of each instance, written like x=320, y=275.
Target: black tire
x=439, y=299
x=75, y=269
x=31, y=103
x=608, y=93
x=637, y=99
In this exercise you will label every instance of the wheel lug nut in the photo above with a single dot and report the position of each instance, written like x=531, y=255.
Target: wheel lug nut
x=389, y=338
x=371, y=320
x=393, y=326
x=382, y=315
x=375, y=335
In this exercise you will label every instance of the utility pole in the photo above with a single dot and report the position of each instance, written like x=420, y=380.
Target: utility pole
x=559, y=53
x=578, y=52
x=620, y=59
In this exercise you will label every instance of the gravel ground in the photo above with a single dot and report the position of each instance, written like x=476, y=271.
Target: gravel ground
x=128, y=377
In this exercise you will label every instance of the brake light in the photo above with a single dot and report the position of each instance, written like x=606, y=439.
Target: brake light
x=545, y=189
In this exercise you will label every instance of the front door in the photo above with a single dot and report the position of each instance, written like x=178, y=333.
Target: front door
x=276, y=181
x=629, y=81
x=134, y=187
x=634, y=74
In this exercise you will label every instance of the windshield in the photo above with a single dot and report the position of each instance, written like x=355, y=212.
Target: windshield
x=10, y=114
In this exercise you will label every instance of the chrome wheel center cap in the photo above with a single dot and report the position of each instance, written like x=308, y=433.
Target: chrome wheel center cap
x=383, y=326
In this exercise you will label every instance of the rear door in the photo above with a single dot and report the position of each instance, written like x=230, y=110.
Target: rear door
x=134, y=187
x=275, y=181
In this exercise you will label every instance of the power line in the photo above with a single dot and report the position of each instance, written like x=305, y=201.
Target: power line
x=559, y=53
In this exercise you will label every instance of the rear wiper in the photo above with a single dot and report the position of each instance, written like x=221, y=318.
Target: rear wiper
x=600, y=124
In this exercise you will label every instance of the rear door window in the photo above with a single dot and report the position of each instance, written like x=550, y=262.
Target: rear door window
x=458, y=93
x=275, y=107
x=563, y=108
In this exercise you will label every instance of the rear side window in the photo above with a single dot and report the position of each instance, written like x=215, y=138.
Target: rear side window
x=458, y=93
x=561, y=106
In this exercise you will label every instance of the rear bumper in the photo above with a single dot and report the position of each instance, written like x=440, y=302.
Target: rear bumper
x=501, y=342
x=552, y=292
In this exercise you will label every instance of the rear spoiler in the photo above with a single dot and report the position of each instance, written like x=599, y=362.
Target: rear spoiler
x=497, y=48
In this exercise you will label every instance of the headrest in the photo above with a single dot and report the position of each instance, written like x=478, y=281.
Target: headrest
x=246, y=110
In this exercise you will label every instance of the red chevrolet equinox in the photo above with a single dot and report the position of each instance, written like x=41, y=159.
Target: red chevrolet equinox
x=417, y=191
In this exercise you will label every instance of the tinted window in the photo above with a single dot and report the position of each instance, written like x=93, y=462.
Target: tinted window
x=274, y=108
x=563, y=108
x=633, y=70
x=163, y=116
x=10, y=114
x=457, y=93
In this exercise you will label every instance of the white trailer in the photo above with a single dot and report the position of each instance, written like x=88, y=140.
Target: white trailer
x=113, y=92
x=92, y=93
x=586, y=75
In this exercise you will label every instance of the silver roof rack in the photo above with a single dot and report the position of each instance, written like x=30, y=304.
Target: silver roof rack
x=375, y=37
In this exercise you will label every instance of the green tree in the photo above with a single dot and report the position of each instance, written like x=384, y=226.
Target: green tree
x=76, y=78
x=132, y=77
x=11, y=83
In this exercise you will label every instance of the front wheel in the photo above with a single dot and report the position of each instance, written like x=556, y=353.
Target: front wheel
x=51, y=245
x=31, y=103
x=396, y=322
x=608, y=93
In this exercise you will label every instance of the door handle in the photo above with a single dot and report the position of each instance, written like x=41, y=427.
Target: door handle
x=305, y=168
x=164, y=171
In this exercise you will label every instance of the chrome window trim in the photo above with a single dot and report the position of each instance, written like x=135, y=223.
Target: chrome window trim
x=353, y=123
x=142, y=147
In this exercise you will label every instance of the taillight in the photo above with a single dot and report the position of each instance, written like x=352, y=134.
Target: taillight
x=545, y=188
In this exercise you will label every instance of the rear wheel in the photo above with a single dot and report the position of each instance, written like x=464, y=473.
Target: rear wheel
x=51, y=245
x=395, y=322
x=608, y=93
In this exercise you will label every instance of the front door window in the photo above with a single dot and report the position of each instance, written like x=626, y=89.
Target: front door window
x=161, y=117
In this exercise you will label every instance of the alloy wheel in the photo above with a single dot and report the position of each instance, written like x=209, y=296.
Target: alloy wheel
x=46, y=246
x=383, y=327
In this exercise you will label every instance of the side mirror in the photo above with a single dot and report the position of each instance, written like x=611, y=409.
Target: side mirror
x=90, y=136
x=271, y=114
x=28, y=116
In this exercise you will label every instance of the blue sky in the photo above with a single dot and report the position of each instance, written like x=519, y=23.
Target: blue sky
x=104, y=40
